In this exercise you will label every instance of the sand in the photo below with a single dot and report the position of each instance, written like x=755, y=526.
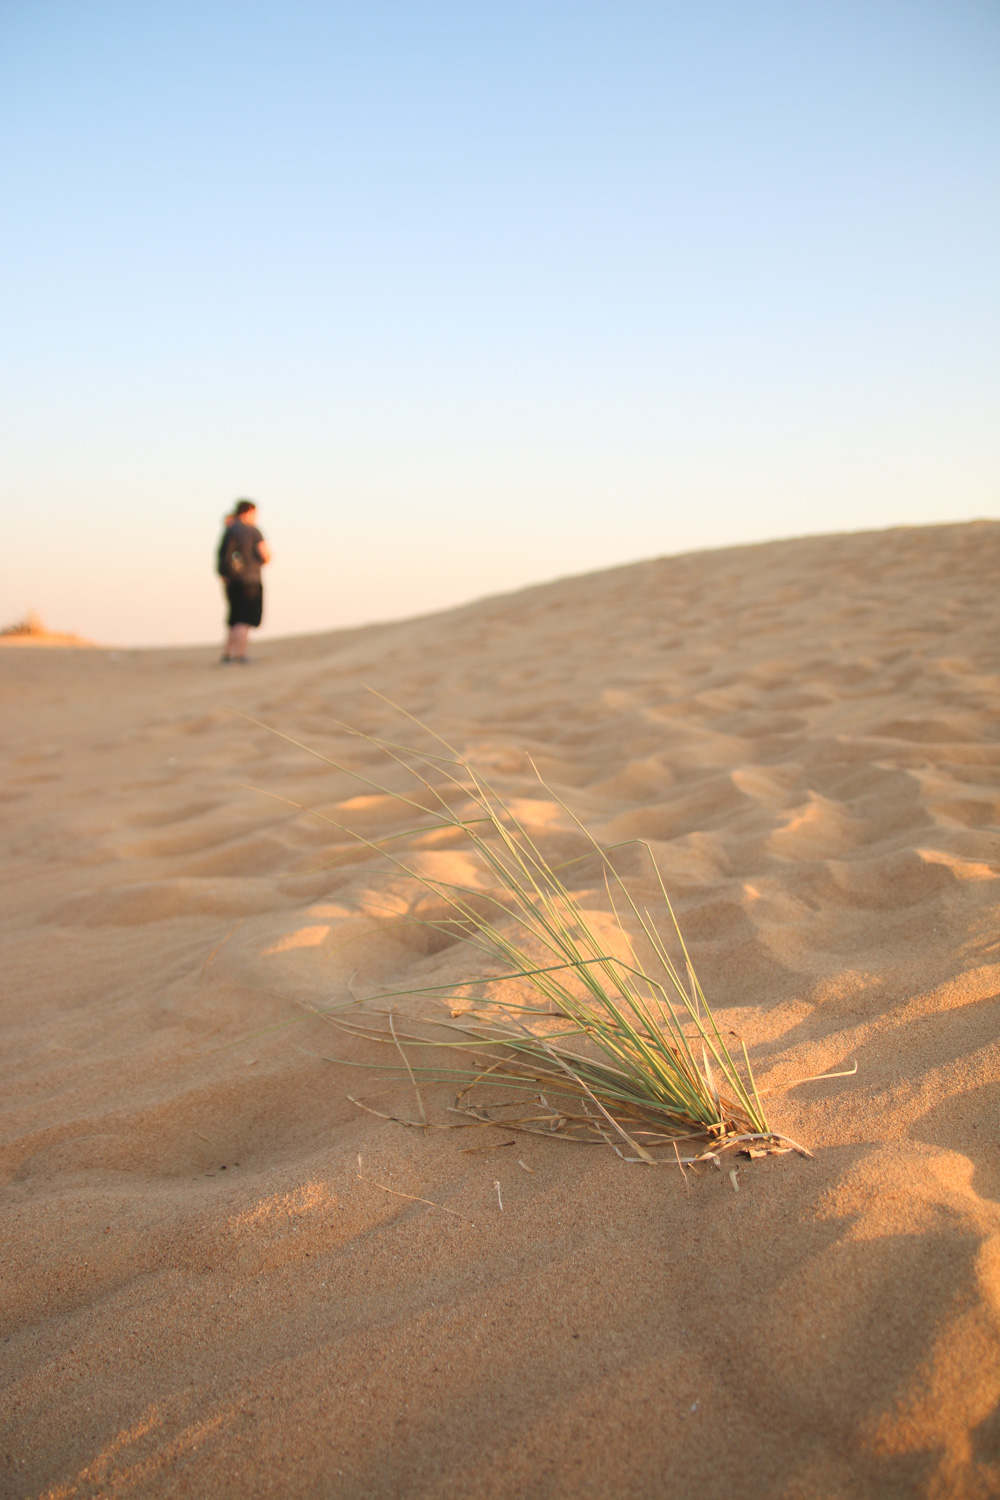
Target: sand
x=200, y=1295
x=41, y=638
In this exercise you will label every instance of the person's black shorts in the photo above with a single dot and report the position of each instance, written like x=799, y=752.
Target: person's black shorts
x=246, y=602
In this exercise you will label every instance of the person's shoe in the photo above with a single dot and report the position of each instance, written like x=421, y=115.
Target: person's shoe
x=225, y=660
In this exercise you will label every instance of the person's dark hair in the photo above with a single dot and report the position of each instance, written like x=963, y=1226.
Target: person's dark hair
x=242, y=506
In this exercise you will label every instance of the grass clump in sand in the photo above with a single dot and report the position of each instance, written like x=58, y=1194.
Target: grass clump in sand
x=593, y=1031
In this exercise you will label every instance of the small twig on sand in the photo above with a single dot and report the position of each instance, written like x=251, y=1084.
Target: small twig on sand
x=412, y=1196
x=406, y=1061
x=499, y=1199
x=219, y=945
x=813, y=1078
x=398, y=1119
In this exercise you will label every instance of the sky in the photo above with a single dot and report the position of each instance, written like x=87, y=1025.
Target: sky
x=473, y=295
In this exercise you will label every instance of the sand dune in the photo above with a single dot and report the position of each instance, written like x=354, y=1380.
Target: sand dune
x=201, y=1296
x=32, y=632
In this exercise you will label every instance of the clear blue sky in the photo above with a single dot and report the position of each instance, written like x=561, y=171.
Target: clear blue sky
x=470, y=295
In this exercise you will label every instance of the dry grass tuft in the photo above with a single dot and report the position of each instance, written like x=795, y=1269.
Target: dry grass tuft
x=572, y=1034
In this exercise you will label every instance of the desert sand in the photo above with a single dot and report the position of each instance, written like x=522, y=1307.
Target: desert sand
x=201, y=1297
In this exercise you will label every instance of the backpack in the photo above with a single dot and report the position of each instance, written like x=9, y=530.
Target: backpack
x=232, y=563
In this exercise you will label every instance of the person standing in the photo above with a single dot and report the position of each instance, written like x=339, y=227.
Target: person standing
x=242, y=554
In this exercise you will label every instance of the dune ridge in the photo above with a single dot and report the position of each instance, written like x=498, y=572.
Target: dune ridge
x=201, y=1294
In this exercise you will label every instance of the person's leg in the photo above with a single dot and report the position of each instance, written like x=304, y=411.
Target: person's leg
x=232, y=595
x=236, y=646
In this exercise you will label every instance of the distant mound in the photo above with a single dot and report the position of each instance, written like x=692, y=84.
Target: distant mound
x=31, y=632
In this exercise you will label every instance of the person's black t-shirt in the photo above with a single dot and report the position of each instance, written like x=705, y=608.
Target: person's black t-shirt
x=239, y=546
